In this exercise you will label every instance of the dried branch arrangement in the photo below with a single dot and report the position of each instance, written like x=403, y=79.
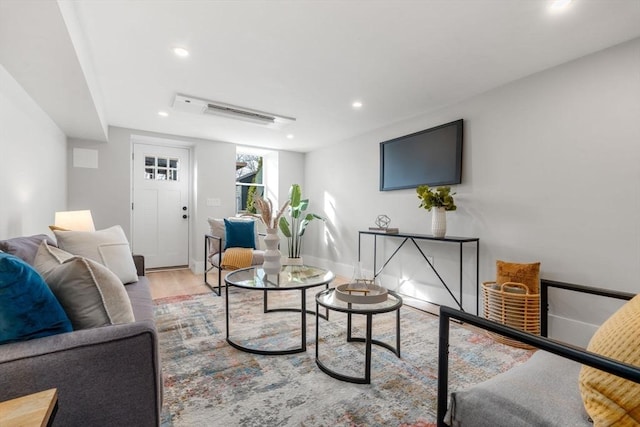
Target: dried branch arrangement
x=269, y=217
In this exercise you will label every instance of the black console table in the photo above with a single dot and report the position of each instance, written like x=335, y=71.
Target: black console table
x=412, y=238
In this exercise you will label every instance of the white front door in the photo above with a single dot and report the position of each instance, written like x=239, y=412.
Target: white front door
x=160, y=205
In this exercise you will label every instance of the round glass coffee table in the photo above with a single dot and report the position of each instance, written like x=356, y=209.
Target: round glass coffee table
x=291, y=277
x=329, y=301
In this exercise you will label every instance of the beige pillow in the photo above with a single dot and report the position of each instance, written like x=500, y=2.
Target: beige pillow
x=48, y=257
x=90, y=293
x=608, y=399
x=109, y=247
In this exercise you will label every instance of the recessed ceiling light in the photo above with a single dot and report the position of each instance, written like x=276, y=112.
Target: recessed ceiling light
x=357, y=104
x=557, y=5
x=163, y=113
x=181, y=52
x=290, y=136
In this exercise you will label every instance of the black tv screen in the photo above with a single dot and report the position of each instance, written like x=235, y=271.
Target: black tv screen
x=432, y=157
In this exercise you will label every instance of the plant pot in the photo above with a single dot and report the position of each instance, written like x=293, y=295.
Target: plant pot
x=272, y=264
x=438, y=222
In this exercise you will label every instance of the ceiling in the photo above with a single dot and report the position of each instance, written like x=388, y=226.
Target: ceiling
x=97, y=63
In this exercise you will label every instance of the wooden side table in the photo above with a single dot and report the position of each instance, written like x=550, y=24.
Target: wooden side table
x=37, y=409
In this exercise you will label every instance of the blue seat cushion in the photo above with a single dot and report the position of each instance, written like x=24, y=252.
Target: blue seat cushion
x=28, y=308
x=239, y=234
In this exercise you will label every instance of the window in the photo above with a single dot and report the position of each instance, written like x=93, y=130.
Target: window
x=249, y=183
x=161, y=168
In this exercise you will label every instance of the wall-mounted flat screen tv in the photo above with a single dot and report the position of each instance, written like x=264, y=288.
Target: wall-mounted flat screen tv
x=432, y=157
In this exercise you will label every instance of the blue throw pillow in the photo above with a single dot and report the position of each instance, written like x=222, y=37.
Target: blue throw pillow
x=28, y=308
x=239, y=234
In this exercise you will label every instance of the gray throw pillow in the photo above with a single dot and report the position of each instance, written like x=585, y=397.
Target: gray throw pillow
x=24, y=248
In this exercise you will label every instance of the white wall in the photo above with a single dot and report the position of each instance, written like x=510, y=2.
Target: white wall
x=106, y=190
x=216, y=179
x=33, y=184
x=551, y=172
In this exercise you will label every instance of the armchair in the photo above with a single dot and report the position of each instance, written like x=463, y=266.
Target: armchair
x=542, y=391
x=221, y=238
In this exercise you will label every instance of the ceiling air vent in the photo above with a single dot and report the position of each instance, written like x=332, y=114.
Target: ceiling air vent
x=193, y=105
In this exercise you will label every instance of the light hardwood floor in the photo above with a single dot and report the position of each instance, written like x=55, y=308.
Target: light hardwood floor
x=169, y=283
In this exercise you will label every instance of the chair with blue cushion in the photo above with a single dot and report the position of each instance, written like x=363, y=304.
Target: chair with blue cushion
x=225, y=234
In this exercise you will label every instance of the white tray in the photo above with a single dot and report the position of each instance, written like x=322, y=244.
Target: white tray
x=374, y=295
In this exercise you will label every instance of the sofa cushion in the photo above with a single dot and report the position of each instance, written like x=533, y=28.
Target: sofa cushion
x=109, y=247
x=90, y=293
x=240, y=234
x=543, y=391
x=611, y=400
x=527, y=274
x=140, y=296
x=28, y=308
x=24, y=248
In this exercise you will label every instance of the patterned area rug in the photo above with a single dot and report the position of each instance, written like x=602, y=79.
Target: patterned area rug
x=209, y=383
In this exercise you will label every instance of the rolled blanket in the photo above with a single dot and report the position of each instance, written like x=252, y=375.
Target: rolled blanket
x=235, y=258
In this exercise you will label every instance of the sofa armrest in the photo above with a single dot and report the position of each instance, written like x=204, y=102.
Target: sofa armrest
x=544, y=298
x=606, y=364
x=138, y=260
x=104, y=376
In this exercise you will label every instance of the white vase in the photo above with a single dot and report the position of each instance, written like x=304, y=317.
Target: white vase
x=293, y=261
x=271, y=264
x=438, y=222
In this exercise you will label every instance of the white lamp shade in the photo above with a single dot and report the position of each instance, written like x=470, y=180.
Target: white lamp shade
x=75, y=220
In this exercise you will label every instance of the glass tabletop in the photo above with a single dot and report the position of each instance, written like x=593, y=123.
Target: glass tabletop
x=290, y=277
x=328, y=299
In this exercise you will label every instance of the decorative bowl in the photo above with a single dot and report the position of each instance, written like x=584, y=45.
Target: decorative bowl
x=359, y=293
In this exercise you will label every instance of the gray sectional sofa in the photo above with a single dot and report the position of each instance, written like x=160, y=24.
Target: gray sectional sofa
x=107, y=375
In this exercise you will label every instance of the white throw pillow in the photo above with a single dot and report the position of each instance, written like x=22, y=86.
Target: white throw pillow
x=90, y=293
x=109, y=247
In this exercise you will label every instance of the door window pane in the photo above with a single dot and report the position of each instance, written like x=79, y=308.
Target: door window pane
x=161, y=168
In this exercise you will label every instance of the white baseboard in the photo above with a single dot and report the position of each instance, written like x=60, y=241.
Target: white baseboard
x=571, y=331
x=197, y=267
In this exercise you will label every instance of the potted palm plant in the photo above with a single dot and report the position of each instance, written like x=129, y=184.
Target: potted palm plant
x=294, y=227
x=440, y=200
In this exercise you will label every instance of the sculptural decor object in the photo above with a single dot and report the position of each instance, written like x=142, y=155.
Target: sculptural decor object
x=383, y=222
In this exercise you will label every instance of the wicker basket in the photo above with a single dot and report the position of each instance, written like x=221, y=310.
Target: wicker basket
x=512, y=305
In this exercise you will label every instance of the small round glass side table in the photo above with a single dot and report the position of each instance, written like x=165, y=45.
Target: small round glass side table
x=291, y=277
x=328, y=300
